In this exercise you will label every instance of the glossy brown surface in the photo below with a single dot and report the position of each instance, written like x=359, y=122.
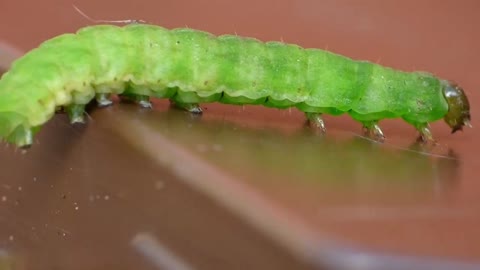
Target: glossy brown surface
x=248, y=187
x=80, y=198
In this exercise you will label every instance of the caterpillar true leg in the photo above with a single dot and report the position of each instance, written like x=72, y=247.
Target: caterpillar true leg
x=315, y=119
x=189, y=107
x=142, y=100
x=425, y=133
x=76, y=113
x=103, y=100
x=373, y=130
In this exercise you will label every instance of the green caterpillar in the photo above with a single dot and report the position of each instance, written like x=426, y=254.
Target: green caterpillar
x=139, y=61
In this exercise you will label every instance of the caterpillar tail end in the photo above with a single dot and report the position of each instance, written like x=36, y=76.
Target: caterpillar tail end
x=14, y=130
x=458, y=114
x=22, y=137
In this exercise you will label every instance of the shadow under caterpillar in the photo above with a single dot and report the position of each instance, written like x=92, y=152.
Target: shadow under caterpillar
x=187, y=66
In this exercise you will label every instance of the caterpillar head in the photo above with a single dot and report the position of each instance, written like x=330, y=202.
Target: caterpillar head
x=458, y=107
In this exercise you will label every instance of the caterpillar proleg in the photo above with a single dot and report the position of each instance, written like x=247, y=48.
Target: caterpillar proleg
x=190, y=67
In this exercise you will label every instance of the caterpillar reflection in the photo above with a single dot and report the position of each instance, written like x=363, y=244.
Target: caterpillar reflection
x=189, y=67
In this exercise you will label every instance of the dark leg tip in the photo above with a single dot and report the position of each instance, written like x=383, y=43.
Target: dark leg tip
x=145, y=104
x=316, y=122
x=196, y=110
x=373, y=130
x=426, y=136
x=25, y=148
x=103, y=100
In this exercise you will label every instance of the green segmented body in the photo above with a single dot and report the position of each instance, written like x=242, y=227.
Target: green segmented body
x=190, y=67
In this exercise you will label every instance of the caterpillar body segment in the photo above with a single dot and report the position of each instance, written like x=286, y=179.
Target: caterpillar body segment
x=191, y=67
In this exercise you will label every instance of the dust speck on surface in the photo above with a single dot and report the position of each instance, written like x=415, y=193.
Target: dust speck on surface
x=217, y=147
x=201, y=148
x=159, y=185
x=4, y=198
